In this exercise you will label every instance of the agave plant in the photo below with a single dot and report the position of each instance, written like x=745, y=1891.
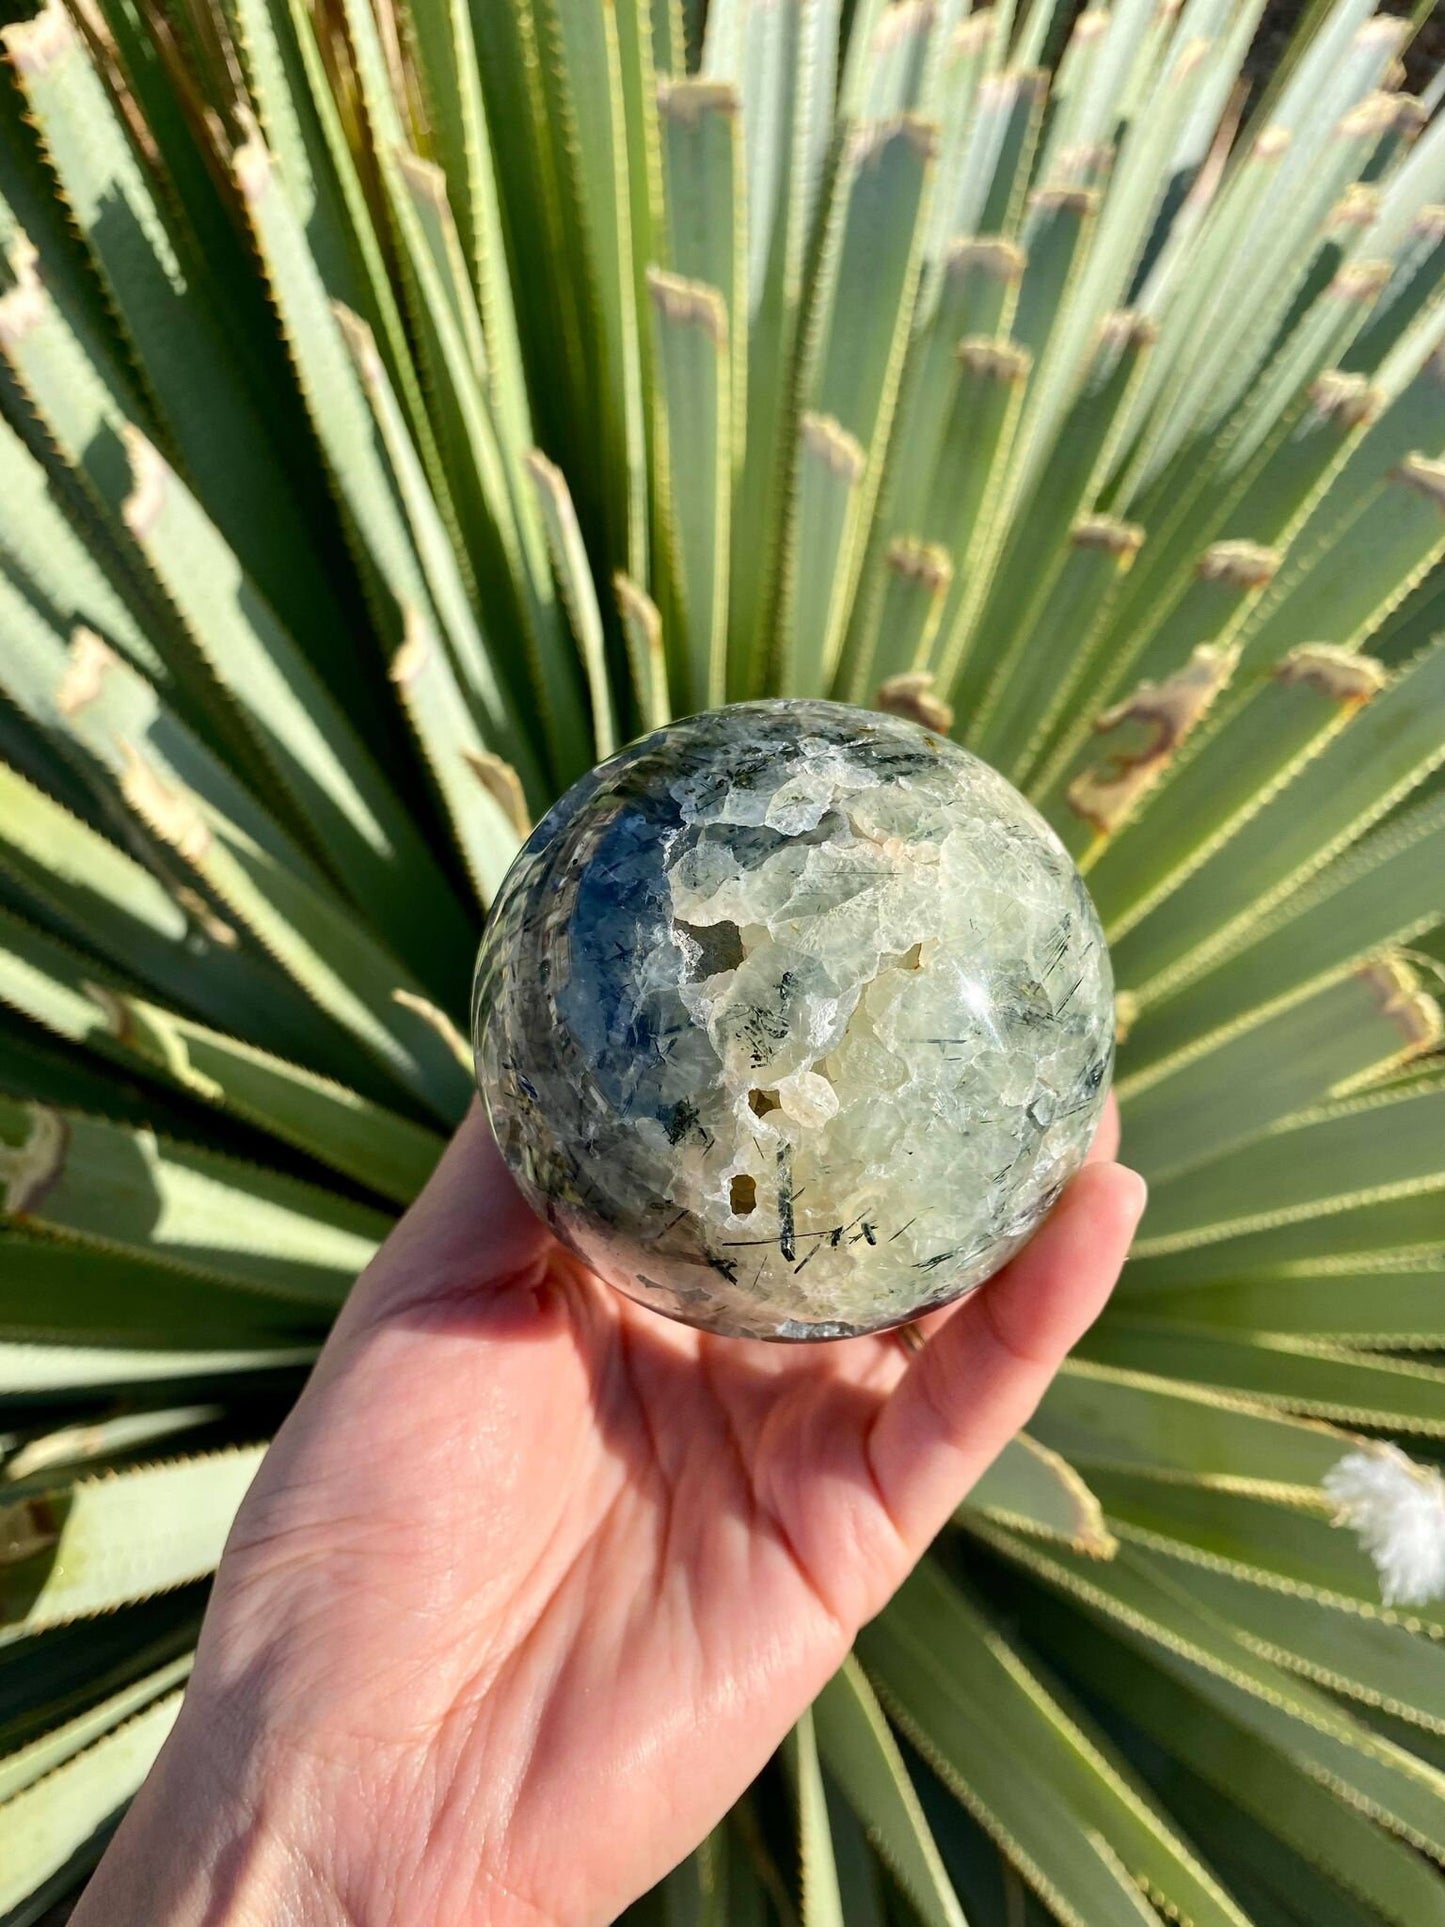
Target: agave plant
x=404, y=402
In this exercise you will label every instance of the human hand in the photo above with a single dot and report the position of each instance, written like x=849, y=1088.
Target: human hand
x=532, y=1582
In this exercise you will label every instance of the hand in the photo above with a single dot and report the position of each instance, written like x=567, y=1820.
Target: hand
x=533, y=1582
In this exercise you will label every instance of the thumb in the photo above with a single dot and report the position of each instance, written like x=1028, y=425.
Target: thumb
x=469, y=1229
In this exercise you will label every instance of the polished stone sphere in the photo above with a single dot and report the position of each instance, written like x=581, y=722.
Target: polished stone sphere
x=793, y=1020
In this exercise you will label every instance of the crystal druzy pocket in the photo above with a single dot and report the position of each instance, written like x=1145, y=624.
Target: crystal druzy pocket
x=793, y=1020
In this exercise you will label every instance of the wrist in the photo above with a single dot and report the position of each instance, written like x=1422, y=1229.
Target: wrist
x=217, y=1837
x=199, y=1848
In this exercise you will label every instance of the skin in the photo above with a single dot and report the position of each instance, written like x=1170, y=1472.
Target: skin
x=533, y=1582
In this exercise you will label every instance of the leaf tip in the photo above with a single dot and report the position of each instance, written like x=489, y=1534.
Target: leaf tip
x=1239, y=565
x=1403, y=1000
x=38, y=44
x=926, y=562
x=1150, y=727
x=24, y=306
x=503, y=785
x=994, y=359
x=1342, y=675
x=1349, y=399
x=87, y=662
x=1424, y=477
x=29, y=1169
x=251, y=164
x=911, y=695
x=1360, y=280
x=1107, y=532
x=436, y=1019
x=687, y=101
x=415, y=649
x=1082, y=201
x=171, y=812
x=827, y=441
x=990, y=255
x=689, y=304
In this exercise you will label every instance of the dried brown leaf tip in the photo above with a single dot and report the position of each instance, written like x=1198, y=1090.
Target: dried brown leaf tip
x=927, y=563
x=1091, y=1535
x=503, y=785
x=1087, y=1531
x=29, y=1169
x=636, y=605
x=1127, y=328
x=688, y=100
x=1424, y=477
x=988, y=255
x=1360, y=280
x=252, y=166
x=688, y=304
x=1375, y=114
x=1146, y=731
x=830, y=443
x=1081, y=165
x=1091, y=24
x=24, y=306
x=415, y=651
x=1271, y=144
x=360, y=342
x=1341, y=675
x=87, y=662
x=1356, y=208
x=868, y=144
x=153, y=1034
x=213, y=928
x=169, y=811
x=41, y=43
x=911, y=695
x=141, y=509
x=1346, y=399
x=436, y=1018
x=1001, y=361
x=424, y=179
x=116, y=1011
x=997, y=91
x=1240, y=565
x=901, y=21
x=1401, y=998
x=1107, y=532
x=971, y=36
x=1065, y=200
x=1411, y=116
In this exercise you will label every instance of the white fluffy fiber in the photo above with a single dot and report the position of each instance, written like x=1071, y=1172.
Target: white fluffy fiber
x=1397, y=1510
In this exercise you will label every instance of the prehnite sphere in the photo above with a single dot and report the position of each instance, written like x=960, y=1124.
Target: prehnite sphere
x=793, y=1020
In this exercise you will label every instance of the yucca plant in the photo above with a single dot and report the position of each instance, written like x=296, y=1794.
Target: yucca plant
x=407, y=401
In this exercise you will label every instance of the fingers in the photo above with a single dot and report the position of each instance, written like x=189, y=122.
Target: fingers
x=1105, y=1147
x=469, y=1226
x=983, y=1372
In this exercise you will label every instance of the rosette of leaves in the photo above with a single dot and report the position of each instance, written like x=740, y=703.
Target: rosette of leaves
x=402, y=403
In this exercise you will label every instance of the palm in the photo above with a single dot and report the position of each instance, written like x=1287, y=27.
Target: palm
x=522, y=1520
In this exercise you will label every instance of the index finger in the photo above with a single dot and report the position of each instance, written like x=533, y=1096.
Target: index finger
x=979, y=1377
